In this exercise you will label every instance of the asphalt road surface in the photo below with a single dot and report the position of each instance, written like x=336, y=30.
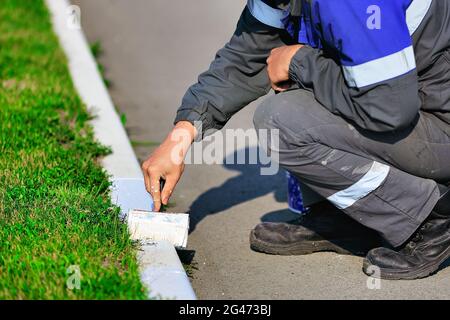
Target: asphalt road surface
x=152, y=51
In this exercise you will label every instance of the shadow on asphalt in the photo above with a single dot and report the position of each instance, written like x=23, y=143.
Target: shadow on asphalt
x=283, y=215
x=248, y=185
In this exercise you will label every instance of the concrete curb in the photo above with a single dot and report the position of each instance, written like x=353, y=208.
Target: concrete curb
x=161, y=270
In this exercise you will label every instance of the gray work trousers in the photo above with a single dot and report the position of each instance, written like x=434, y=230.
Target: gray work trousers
x=385, y=181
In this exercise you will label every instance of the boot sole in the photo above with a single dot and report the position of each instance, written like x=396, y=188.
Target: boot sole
x=299, y=248
x=422, y=272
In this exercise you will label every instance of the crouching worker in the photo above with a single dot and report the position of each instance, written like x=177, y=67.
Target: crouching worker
x=363, y=113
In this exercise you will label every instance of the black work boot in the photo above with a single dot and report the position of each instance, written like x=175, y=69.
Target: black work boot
x=422, y=255
x=324, y=228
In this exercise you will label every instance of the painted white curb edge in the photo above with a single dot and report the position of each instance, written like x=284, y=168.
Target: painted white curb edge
x=161, y=270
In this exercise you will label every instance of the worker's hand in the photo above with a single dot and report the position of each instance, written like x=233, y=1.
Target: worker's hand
x=167, y=162
x=278, y=66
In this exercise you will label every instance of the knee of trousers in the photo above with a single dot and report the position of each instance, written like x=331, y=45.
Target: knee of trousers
x=284, y=119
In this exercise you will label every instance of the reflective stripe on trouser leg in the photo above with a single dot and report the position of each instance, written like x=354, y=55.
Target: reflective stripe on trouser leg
x=368, y=183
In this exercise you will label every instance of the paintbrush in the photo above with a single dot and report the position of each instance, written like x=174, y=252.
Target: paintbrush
x=148, y=226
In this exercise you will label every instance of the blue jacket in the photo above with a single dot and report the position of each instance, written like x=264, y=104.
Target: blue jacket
x=374, y=62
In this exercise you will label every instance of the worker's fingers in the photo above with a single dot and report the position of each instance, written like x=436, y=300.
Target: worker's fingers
x=155, y=191
x=281, y=86
x=169, y=186
x=152, y=177
x=277, y=88
x=146, y=178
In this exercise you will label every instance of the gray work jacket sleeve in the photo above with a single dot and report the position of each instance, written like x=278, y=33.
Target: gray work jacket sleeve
x=236, y=77
x=382, y=107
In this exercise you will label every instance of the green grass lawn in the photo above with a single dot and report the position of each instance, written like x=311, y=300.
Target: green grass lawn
x=54, y=207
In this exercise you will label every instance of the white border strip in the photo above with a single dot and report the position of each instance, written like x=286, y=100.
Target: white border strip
x=157, y=259
x=382, y=69
x=266, y=14
x=368, y=183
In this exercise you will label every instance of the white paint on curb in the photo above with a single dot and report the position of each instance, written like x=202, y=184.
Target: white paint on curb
x=161, y=270
x=167, y=277
x=129, y=194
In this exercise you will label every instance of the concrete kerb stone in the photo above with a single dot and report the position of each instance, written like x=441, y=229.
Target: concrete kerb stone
x=161, y=269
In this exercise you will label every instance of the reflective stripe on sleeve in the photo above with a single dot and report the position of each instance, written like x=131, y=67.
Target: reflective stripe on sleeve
x=416, y=12
x=382, y=69
x=266, y=14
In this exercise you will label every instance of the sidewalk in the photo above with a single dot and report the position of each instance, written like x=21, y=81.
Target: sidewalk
x=150, y=60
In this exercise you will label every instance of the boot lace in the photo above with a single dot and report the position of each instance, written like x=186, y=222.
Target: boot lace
x=418, y=236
